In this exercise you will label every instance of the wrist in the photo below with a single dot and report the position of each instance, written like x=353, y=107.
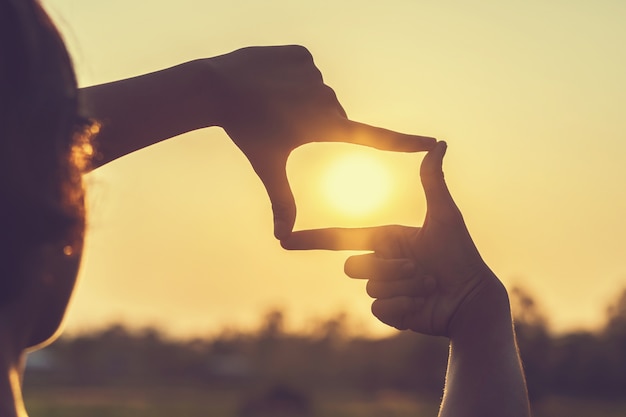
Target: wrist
x=200, y=87
x=485, y=376
x=219, y=93
x=484, y=317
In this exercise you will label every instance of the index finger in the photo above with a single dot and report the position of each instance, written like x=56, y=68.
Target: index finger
x=376, y=137
x=366, y=238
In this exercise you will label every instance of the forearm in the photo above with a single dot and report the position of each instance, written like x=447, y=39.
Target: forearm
x=137, y=112
x=485, y=376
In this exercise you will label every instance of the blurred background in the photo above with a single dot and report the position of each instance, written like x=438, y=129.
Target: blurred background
x=330, y=370
x=529, y=97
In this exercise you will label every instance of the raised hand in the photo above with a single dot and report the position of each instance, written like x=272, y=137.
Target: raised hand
x=269, y=100
x=272, y=100
x=425, y=279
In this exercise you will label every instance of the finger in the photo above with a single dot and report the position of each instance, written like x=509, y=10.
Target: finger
x=417, y=286
x=376, y=137
x=274, y=178
x=366, y=238
x=372, y=266
x=401, y=312
x=431, y=173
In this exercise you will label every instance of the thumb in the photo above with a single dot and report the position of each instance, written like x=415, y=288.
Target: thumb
x=431, y=173
x=274, y=178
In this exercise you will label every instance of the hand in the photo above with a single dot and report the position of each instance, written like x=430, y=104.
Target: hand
x=272, y=100
x=426, y=279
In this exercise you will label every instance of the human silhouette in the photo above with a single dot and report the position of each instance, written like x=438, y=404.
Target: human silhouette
x=269, y=100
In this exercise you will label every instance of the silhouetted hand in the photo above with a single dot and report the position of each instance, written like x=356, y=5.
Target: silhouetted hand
x=272, y=100
x=422, y=278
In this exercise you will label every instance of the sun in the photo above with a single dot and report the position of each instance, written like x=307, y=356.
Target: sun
x=357, y=184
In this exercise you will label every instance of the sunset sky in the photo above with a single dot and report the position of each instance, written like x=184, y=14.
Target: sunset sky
x=530, y=96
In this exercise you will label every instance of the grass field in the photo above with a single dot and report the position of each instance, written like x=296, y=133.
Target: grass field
x=180, y=402
x=192, y=403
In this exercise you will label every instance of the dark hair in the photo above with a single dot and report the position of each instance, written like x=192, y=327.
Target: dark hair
x=43, y=141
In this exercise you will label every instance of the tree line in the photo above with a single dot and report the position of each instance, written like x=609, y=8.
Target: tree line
x=583, y=363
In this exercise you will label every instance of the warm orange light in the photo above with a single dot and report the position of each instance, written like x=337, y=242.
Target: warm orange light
x=357, y=184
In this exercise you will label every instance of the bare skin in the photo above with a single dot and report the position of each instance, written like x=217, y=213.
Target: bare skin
x=269, y=100
x=432, y=280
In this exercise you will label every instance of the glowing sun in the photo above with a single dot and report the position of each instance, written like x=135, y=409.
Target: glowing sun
x=357, y=184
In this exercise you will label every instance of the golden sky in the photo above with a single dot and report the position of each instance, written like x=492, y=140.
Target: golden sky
x=530, y=97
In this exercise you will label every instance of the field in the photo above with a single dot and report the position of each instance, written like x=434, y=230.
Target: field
x=195, y=403
x=162, y=402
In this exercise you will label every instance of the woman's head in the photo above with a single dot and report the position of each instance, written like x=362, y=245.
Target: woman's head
x=43, y=150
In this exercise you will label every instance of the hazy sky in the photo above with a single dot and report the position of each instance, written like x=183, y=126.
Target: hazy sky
x=530, y=97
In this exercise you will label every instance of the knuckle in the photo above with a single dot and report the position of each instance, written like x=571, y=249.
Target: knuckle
x=300, y=52
x=283, y=210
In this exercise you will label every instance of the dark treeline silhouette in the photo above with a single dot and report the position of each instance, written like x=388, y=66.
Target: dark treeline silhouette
x=581, y=364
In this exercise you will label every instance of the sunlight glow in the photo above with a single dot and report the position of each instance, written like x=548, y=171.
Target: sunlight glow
x=357, y=184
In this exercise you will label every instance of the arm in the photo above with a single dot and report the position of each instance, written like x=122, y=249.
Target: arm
x=138, y=112
x=269, y=100
x=432, y=280
x=485, y=375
